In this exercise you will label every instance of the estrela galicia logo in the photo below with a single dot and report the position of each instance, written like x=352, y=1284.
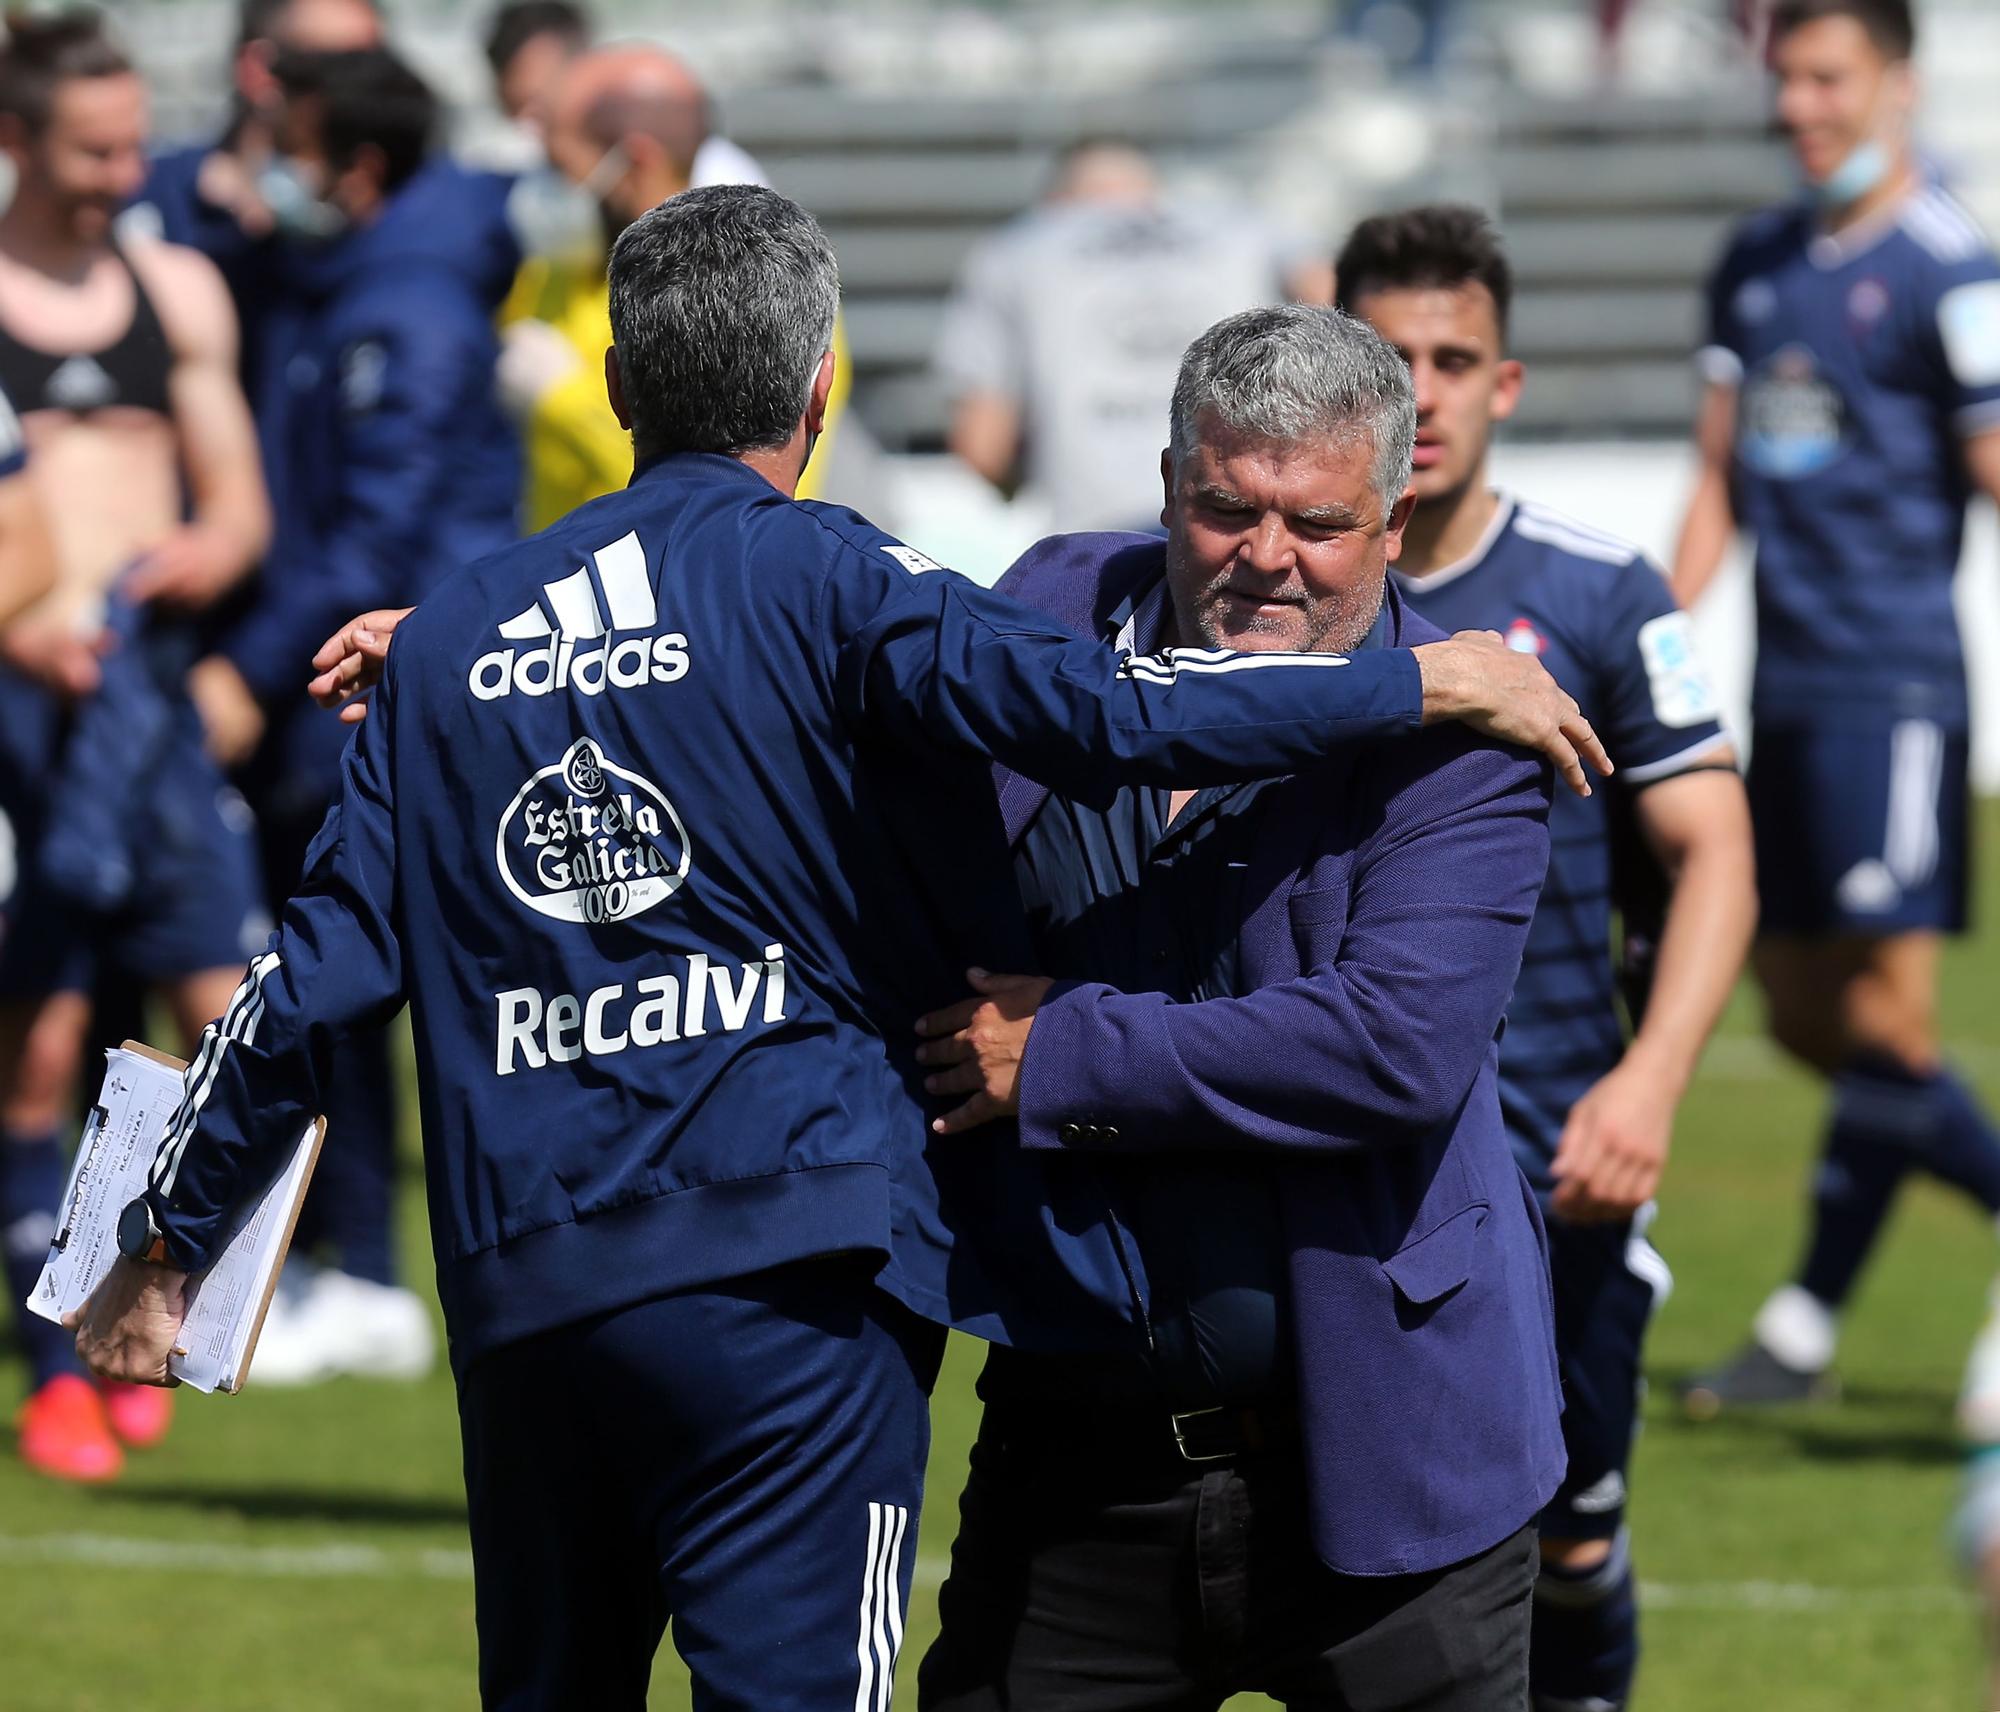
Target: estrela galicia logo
x=586, y=840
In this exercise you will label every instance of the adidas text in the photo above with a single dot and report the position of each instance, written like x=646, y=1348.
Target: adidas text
x=603, y=634
x=589, y=666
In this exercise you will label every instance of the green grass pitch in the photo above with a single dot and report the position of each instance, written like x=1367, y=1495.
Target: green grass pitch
x=305, y=1551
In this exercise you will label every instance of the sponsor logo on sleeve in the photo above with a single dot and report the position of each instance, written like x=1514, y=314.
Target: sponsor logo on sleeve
x=911, y=560
x=1682, y=693
x=587, y=840
x=569, y=641
x=1969, y=324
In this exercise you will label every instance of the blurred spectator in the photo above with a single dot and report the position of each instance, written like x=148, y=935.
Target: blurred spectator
x=626, y=129
x=529, y=45
x=125, y=846
x=205, y=194
x=1060, y=344
x=390, y=465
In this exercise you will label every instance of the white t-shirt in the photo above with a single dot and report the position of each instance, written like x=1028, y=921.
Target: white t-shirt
x=1079, y=313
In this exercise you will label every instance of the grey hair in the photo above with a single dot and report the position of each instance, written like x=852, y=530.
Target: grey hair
x=1295, y=372
x=722, y=305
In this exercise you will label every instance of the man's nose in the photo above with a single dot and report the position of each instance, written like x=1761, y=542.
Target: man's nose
x=1267, y=549
x=1423, y=384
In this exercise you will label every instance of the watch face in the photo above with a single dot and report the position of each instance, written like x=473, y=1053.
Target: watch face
x=135, y=1230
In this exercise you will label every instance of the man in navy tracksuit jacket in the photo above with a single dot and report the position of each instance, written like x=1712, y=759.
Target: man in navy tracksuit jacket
x=665, y=823
x=390, y=463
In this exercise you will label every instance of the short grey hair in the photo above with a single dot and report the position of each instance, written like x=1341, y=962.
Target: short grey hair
x=1294, y=372
x=722, y=304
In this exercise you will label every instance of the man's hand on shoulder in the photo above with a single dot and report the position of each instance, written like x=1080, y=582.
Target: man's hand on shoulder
x=979, y=1043
x=350, y=661
x=1477, y=678
x=132, y=1322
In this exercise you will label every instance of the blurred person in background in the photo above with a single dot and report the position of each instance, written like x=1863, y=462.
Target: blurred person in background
x=626, y=130
x=1059, y=344
x=529, y=45
x=1851, y=409
x=206, y=194
x=128, y=848
x=390, y=464
x=1590, y=1115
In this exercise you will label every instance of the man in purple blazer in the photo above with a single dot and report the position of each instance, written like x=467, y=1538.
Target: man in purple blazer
x=1270, y=1041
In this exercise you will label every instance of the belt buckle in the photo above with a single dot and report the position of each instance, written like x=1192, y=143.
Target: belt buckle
x=1180, y=1435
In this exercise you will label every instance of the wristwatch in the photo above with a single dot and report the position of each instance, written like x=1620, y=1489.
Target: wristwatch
x=138, y=1237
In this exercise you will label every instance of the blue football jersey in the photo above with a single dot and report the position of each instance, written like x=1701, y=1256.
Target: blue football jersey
x=1603, y=621
x=1860, y=362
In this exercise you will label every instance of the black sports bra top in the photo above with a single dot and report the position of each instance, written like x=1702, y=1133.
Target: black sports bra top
x=130, y=373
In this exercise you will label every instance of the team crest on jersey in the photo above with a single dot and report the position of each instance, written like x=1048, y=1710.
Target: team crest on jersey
x=1524, y=638
x=586, y=840
x=1793, y=421
x=1867, y=303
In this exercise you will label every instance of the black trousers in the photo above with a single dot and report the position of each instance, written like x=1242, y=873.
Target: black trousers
x=1084, y=1580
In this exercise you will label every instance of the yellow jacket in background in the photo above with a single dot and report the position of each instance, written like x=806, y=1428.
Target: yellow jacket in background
x=572, y=444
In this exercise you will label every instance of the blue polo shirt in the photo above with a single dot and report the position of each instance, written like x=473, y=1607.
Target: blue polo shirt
x=1147, y=901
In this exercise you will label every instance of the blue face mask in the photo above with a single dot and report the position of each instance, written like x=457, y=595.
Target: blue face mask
x=1860, y=173
x=297, y=209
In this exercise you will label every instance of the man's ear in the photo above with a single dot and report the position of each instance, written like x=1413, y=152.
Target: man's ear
x=821, y=392
x=1399, y=520
x=614, y=388
x=254, y=80
x=1507, y=380
x=1167, y=488
x=362, y=186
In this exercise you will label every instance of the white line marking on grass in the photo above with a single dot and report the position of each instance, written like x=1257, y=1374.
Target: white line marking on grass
x=1750, y=1058
x=324, y=1562
x=378, y=1563
x=1803, y=1598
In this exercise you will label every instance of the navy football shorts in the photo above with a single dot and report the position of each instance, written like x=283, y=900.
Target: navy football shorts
x=1607, y=1280
x=195, y=902
x=1861, y=829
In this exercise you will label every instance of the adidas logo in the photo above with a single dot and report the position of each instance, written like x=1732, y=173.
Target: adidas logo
x=80, y=384
x=1606, y=1494
x=579, y=649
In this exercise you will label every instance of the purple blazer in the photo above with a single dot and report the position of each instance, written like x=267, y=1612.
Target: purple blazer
x=1385, y=925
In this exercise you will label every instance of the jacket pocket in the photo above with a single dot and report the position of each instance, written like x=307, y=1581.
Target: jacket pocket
x=1439, y=1261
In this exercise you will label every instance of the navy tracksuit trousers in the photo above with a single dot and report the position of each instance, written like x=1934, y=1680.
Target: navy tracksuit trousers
x=747, y=1458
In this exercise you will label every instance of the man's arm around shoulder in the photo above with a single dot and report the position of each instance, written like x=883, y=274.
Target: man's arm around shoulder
x=1407, y=962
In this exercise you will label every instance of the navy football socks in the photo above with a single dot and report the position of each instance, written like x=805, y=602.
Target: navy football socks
x=34, y=1171
x=1886, y=1121
x=1585, y=1648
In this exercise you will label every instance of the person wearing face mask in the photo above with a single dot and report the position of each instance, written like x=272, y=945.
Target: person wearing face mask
x=204, y=194
x=628, y=127
x=1852, y=407
x=390, y=463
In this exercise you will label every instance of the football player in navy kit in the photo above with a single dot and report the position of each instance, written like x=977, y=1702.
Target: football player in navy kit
x=1851, y=408
x=1589, y=1114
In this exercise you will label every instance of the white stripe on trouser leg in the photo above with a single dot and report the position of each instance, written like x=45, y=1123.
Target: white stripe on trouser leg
x=1916, y=771
x=864, y=1693
x=892, y=1604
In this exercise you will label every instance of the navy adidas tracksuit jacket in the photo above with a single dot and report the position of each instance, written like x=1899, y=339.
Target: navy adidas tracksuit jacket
x=668, y=822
